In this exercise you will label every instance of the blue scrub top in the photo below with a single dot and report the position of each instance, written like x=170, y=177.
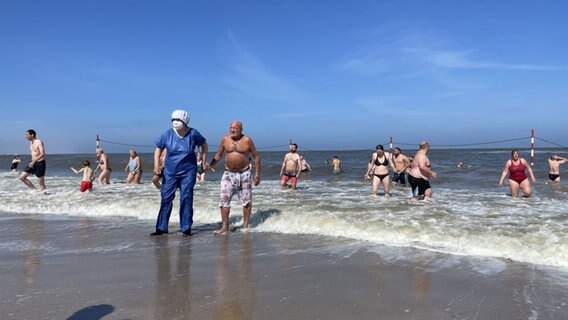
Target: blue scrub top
x=180, y=156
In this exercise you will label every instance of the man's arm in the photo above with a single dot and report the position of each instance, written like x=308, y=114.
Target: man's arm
x=424, y=170
x=256, y=156
x=218, y=154
x=406, y=163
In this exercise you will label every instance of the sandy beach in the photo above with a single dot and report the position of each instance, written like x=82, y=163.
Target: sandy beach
x=83, y=268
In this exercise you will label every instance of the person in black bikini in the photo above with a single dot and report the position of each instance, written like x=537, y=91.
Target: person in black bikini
x=378, y=170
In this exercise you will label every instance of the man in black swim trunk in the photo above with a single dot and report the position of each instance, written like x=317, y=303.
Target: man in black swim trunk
x=37, y=165
x=420, y=173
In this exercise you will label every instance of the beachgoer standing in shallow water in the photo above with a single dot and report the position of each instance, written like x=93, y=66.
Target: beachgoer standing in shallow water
x=200, y=172
x=180, y=168
x=401, y=163
x=554, y=163
x=237, y=148
x=134, y=167
x=421, y=173
x=37, y=165
x=15, y=162
x=88, y=176
x=291, y=167
x=378, y=170
x=104, y=166
x=336, y=165
x=305, y=165
x=517, y=167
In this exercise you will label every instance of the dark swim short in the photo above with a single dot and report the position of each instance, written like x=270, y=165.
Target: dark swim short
x=38, y=169
x=419, y=183
x=399, y=177
x=553, y=176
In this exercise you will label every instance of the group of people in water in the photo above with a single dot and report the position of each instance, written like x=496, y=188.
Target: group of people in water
x=177, y=165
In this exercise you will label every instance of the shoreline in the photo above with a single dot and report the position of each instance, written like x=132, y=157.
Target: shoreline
x=73, y=267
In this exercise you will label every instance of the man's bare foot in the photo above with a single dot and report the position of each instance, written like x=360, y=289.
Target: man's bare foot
x=221, y=232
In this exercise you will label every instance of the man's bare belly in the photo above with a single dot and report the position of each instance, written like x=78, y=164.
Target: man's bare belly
x=236, y=162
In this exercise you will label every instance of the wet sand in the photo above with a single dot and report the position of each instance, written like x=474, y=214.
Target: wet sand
x=81, y=268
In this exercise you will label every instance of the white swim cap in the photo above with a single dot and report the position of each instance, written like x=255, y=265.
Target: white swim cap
x=181, y=115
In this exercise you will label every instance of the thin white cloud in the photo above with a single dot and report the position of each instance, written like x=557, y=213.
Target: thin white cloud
x=408, y=54
x=465, y=60
x=250, y=76
x=368, y=65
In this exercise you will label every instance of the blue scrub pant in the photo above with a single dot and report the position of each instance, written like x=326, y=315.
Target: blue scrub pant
x=168, y=192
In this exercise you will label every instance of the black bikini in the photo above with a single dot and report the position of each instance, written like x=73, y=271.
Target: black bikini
x=378, y=164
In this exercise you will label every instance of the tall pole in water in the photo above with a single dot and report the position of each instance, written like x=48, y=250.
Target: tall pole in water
x=532, y=147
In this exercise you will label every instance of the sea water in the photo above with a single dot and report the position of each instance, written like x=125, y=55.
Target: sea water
x=468, y=215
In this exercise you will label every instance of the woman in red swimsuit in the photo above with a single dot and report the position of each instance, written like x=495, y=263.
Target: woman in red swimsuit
x=516, y=167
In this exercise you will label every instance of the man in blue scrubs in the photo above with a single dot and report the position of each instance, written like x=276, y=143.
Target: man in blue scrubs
x=179, y=170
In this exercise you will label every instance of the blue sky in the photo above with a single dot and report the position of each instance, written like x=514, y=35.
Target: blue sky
x=328, y=74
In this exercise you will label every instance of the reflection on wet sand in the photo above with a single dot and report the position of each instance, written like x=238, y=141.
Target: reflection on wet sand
x=236, y=291
x=172, y=285
x=33, y=234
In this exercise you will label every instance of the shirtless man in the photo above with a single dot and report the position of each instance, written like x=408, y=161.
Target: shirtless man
x=554, y=163
x=336, y=164
x=420, y=173
x=291, y=167
x=305, y=165
x=401, y=163
x=104, y=165
x=37, y=164
x=237, y=149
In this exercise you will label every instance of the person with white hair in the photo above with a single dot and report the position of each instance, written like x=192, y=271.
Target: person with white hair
x=104, y=165
x=179, y=170
x=238, y=179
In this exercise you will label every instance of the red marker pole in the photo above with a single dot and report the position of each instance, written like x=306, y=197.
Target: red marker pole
x=532, y=147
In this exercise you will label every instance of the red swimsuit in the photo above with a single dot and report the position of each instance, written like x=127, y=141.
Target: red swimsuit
x=517, y=172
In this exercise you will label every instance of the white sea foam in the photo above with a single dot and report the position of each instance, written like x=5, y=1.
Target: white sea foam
x=473, y=217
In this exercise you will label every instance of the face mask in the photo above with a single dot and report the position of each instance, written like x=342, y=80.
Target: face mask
x=177, y=124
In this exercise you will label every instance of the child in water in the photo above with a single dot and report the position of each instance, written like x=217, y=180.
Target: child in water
x=88, y=176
